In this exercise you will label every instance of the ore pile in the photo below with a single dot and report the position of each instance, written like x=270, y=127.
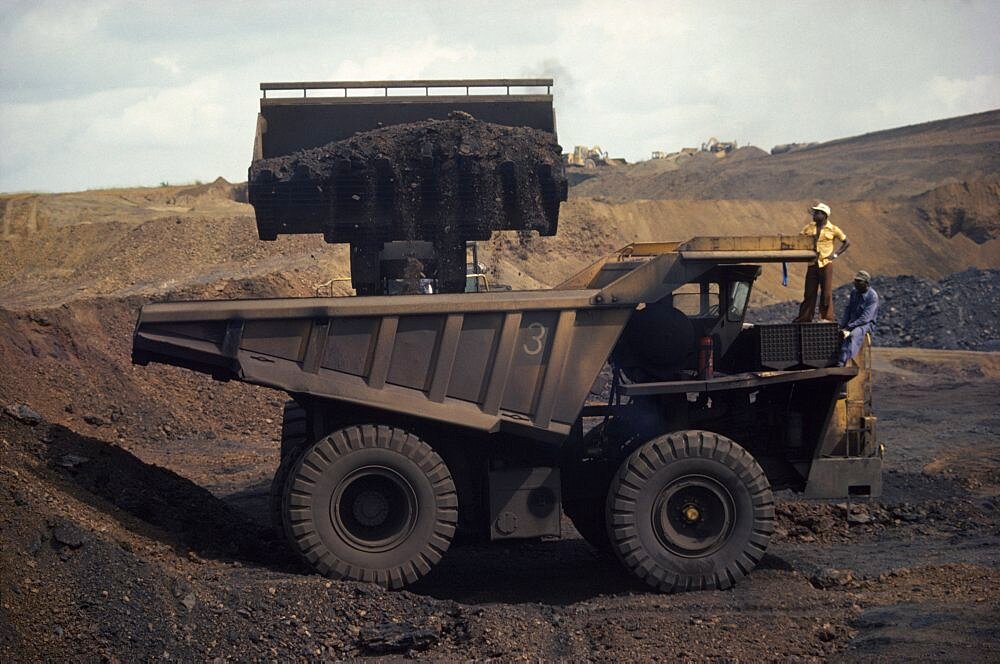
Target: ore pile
x=960, y=312
x=457, y=178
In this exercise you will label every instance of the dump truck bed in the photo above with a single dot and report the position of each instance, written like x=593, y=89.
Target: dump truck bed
x=476, y=359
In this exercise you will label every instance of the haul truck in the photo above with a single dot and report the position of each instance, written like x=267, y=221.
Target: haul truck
x=414, y=417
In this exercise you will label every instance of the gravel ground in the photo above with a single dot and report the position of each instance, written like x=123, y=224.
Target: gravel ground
x=105, y=556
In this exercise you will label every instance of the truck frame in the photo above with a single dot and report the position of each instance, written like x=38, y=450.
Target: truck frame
x=414, y=417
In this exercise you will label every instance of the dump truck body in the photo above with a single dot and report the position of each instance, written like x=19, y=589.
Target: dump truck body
x=482, y=359
x=525, y=359
x=413, y=405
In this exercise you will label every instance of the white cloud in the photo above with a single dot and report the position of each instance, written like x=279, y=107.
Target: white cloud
x=168, y=64
x=954, y=94
x=404, y=61
x=182, y=116
x=58, y=24
x=169, y=92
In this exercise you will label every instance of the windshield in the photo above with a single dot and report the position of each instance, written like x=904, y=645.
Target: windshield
x=739, y=291
x=698, y=300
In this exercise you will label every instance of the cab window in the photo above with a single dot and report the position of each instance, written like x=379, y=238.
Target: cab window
x=739, y=291
x=698, y=300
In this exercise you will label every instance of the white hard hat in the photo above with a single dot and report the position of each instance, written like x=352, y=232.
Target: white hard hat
x=822, y=207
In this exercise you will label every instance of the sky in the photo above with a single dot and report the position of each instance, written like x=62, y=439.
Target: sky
x=100, y=94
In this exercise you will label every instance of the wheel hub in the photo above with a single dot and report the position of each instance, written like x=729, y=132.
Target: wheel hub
x=374, y=509
x=693, y=516
x=691, y=513
x=371, y=508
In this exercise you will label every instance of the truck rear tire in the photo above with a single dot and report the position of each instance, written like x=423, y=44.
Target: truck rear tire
x=690, y=510
x=294, y=428
x=294, y=437
x=370, y=503
x=585, y=489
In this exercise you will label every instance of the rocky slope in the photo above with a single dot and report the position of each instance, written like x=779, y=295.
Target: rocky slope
x=961, y=311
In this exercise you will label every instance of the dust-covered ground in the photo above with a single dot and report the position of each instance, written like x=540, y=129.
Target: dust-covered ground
x=162, y=551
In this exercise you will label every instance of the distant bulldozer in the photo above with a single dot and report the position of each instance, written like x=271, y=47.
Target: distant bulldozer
x=791, y=147
x=719, y=148
x=591, y=156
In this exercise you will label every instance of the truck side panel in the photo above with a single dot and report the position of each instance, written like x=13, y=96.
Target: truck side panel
x=530, y=368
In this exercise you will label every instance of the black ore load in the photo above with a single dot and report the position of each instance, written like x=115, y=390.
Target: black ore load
x=444, y=181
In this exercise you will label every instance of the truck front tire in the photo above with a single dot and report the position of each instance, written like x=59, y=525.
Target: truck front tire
x=370, y=503
x=690, y=510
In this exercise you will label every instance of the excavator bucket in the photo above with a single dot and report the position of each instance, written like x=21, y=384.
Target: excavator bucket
x=439, y=168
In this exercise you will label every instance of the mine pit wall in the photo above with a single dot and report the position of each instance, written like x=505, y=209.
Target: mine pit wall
x=126, y=243
x=886, y=239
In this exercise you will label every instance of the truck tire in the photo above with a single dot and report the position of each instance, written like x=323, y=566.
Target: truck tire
x=294, y=428
x=370, y=503
x=294, y=436
x=690, y=510
x=587, y=514
x=584, y=489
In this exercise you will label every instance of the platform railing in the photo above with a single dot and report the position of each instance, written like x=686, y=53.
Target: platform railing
x=427, y=85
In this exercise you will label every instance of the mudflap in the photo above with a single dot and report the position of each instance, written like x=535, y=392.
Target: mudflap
x=859, y=477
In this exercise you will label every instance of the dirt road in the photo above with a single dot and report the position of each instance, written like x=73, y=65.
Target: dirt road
x=162, y=550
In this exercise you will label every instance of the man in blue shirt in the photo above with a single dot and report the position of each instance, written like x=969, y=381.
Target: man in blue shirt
x=859, y=317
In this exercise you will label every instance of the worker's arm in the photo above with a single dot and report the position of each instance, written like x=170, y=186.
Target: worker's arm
x=869, y=307
x=843, y=247
x=839, y=234
x=848, y=310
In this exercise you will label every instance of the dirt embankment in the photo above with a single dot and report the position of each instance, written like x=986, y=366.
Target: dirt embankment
x=892, y=164
x=970, y=208
x=143, y=243
x=940, y=174
x=876, y=229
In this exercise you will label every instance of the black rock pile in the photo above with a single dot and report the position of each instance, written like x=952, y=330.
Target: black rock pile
x=458, y=177
x=960, y=312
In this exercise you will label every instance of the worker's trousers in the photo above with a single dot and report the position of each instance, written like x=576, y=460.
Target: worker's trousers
x=821, y=279
x=852, y=343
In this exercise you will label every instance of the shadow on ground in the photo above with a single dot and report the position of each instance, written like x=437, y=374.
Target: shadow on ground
x=157, y=503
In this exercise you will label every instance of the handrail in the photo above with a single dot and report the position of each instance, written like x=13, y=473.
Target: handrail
x=417, y=83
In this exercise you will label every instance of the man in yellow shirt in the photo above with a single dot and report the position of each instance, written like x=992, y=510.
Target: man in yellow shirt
x=819, y=276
